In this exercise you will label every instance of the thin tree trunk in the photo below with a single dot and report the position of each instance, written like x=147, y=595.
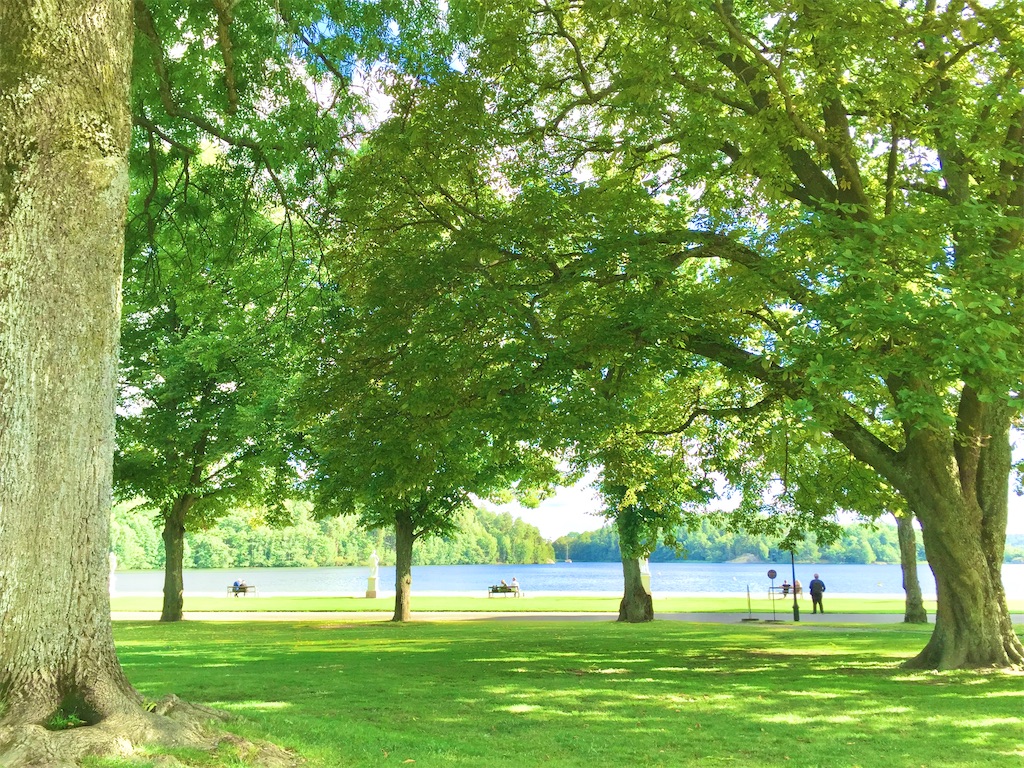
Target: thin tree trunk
x=404, y=538
x=914, y=612
x=174, y=556
x=636, y=605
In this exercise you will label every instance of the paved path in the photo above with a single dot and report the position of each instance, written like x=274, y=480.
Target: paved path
x=807, y=619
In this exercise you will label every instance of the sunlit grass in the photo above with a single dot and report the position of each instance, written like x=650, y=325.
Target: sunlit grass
x=432, y=603
x=580, y=693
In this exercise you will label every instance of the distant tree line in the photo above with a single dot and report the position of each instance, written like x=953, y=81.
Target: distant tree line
x=243, y=539
x=859, y=544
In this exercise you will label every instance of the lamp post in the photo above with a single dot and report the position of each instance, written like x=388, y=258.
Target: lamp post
x=796, y=605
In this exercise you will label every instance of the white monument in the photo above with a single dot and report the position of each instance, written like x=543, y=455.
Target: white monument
x=371, y=583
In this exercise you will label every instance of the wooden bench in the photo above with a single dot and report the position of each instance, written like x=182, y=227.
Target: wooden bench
x=503, y=590
x=775, y=592
x=246, y=590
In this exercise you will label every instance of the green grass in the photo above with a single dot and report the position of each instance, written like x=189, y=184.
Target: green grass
x=529, y=604
x=562, y=693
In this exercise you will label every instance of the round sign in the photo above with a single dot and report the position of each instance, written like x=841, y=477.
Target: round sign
x=772, y=574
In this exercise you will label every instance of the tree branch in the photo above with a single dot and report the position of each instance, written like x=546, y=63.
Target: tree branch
x=756, y=409
x=732, y=26
x=860, y=441
x=585, y=79
x=227, y=51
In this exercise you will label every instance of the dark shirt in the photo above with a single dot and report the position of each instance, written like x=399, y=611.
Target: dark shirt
x=817, y=586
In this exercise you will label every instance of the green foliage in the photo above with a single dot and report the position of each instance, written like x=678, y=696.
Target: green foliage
x=407, y=404
x=815, y=213
x=134, y=537
x=203, y=354
x=243, y=538
x=810, y=216
x=225, y=222
x=62, y=721
x=73, y=712
x=676, y=241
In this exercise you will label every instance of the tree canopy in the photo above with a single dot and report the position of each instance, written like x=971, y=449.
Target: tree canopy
x=822, y=204
x=810, y=211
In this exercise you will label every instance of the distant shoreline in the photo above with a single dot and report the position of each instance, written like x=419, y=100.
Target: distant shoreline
x=389, y=595
x=602, y=580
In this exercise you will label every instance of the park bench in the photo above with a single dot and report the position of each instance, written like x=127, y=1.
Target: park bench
x=503, y=590
x=775, y=592
x=246, y=590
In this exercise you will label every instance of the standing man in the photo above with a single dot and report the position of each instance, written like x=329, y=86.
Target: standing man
x=817, y=587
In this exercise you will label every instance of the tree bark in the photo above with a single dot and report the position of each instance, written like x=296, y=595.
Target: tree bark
x=65, y=125
x=174, y=556
x=957, y=483
x=404, y=538
x=636, y=605
x=914, y=612
x=963, y=515
x=64, y=74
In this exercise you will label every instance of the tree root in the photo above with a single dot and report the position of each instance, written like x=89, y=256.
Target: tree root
x=169, y=723
x=942, y=660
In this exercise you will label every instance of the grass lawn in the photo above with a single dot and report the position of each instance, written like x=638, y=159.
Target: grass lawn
x=492, y=693
x=736, y=604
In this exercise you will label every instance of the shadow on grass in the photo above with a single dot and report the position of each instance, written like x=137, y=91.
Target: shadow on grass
x=571, y=693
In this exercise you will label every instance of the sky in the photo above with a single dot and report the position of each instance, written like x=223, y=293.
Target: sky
x=570, y=510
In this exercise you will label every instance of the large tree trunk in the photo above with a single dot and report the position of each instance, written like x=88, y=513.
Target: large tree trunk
x=64, y=131
x=963, y=524
x=957, y=483
x=174, y=556
x=63, y=191
x=404, y=538
x=637, y=604
x=914, y=612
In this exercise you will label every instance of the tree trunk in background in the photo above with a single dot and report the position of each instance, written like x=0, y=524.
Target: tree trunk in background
x=174, y=554
x=915, y=612
x=64, y=123
x=636, y=605
x=404, y=538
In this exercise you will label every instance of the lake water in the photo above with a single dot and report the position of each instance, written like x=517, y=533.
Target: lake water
x=604, y=579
